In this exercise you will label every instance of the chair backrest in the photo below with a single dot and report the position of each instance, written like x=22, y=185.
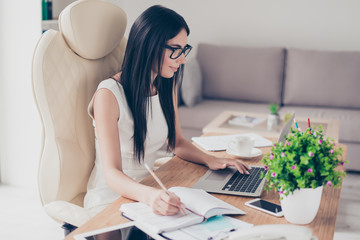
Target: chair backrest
x=67, y=67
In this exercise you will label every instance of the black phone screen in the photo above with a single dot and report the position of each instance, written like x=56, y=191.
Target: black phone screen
x=267, y=206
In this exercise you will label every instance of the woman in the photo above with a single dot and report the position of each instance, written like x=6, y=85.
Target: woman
x=135, y=113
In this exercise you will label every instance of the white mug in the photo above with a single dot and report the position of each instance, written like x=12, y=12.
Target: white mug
x=242, y=145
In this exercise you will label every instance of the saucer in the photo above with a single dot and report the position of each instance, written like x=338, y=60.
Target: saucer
x=255, y=152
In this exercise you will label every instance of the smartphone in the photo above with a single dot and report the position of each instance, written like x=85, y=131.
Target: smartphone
x=265, y=206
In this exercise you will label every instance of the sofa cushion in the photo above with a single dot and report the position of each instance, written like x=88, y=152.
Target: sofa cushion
x=188, y=132
x=319, y=78
x=191, y=86
x=239, y=73
x=352, y=155
x=202, y=113
x=349, y=120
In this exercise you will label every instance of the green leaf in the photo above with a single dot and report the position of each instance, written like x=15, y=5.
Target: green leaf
x=304, y=160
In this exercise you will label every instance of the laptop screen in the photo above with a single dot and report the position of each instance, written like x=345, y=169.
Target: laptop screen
x=286, y=129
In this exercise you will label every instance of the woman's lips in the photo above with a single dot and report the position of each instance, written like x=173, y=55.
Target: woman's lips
x=174, y=69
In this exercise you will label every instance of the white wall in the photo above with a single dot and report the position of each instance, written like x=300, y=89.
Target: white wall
x=2, y=99
x=20, y=126
x=59, y=5
x=312, y=24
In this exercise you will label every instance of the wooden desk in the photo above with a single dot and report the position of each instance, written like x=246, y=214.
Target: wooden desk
x=220, y=125
x=178, y=172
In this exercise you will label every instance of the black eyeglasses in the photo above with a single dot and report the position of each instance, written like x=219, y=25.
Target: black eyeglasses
x=176, y=51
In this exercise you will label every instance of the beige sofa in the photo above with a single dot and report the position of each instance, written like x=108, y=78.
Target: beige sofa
x=321, y=84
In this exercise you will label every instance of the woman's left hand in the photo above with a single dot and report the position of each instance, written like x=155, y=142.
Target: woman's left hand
x=221, y=163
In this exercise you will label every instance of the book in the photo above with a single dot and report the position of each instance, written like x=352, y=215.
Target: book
x=199, y=206
x=246, y=121
x=46, y=6
x=220, y=143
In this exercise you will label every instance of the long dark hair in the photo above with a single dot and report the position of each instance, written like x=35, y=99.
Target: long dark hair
x=145, y=50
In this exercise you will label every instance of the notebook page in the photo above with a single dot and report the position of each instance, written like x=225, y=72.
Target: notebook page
x=220, y=143
x=143, y=214
x=201, y=202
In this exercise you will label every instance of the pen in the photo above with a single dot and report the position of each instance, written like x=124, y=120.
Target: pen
x=160, y=183
x=296, y=125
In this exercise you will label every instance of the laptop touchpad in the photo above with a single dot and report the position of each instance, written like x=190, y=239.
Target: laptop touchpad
x=219, y=175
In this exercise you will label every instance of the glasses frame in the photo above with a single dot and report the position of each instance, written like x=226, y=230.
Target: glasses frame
x=183, y=51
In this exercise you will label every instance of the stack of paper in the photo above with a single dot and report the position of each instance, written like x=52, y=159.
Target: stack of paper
x=220, y=143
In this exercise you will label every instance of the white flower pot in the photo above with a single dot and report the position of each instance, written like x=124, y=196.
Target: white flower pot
x=273, y=121
x=302, y=206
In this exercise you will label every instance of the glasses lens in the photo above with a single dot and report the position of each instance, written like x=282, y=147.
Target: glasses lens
x=187, y=50
x=176, y=52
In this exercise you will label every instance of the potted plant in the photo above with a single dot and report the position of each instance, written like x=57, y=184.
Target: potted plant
x=273, y=117
x=299, y=169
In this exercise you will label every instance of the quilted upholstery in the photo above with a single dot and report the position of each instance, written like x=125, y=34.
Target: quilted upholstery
x=63, y=84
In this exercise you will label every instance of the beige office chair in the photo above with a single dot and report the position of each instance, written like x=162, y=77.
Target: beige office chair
x=67, y=67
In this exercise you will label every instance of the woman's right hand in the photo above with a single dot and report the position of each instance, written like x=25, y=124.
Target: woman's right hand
x=165, y=203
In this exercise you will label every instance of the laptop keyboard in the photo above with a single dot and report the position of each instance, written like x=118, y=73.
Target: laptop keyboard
x=245, y=183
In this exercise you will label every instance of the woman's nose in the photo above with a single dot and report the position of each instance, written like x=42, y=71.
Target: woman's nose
x=182, y=59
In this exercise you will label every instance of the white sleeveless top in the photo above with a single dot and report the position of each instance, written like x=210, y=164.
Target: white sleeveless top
x=99, y=195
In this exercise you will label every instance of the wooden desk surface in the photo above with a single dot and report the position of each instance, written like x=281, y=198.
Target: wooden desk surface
x=178, y=172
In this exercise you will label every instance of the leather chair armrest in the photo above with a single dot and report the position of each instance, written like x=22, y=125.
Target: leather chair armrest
x=67, y=212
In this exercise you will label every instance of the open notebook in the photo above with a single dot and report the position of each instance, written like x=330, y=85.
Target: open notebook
x=199, y=206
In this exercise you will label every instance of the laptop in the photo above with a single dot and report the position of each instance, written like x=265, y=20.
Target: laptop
x=231, y=181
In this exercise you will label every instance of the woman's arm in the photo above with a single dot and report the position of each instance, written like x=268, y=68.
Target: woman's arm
x=106, y=115
x=187, y=151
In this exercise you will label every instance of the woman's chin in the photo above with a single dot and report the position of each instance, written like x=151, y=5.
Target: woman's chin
x=167, y=75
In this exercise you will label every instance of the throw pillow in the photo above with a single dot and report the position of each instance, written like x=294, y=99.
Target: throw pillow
x=191, y=87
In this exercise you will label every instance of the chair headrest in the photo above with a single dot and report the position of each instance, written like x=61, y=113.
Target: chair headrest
x=92, y=28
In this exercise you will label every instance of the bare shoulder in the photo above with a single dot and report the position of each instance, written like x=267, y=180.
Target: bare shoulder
x=105, y=104
x=117, y=76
